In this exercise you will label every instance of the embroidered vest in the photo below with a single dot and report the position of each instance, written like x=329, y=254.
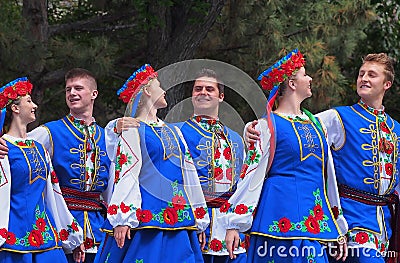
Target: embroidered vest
x=162, y=188
x=357, y=165
x=31, y=227
x=293, y=201
x=69, y=148
x=201, y=146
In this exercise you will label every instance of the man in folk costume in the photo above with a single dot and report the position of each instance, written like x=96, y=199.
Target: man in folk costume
x=77, y=148
x=365, y=147
x=218, y=156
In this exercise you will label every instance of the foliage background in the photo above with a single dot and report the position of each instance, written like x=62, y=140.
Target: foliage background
x=42, y=39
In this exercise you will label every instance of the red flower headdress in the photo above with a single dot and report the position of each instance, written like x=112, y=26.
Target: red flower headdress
x=282, y=70
x=16, y=88
x=140, y=77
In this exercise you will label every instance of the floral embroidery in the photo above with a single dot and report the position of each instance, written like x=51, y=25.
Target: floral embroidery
x=311, y=258
x=363, y=237
x=240, y=209
x=122, y=159
x=200, y=212
x=314, y=223
x=176, y=211
x=38, y=236
x=54, y=178
x=217, y=245
x=89, y=243
x=253, y=156
x=25, y=143
x=337, y=212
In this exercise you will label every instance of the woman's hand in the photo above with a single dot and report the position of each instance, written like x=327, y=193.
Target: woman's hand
x=232, y=240
x=79, y=253
x=120, y=232
x=202, y=240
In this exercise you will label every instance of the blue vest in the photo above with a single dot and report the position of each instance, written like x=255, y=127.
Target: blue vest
x=69, y=164
x=31, y=227
x=201, y=146
x=69, y=155
x=357, y=164
x=293, y=201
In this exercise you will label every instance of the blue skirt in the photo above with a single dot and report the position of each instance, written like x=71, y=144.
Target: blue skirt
x=53, y=256
x=267, y=250
x=152, y=245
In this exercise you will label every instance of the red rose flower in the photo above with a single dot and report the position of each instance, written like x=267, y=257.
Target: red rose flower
x=312, y=225
x=170, y=216
x=229, y=173
x=64, y=234
x=112, y=209
x=41, y=224
x=225, y=207
x=241, y=209
x=21, y=88
x=361, y=237
x=74, y=226
x=284, y=225
x=218, y=173
x=389, y=147
x=10, y=93
x=200, y=212
x=122, y=159
x=216, y=245
x=144, y=215
x=124, y=208
x=35, y=238
x=389, y=169
x=54, y=178
x=335, y=211
x=178, y=202
x=228, y=153
x=318, y=212
x=10, y=239
x=244, y=170
x=217, y=154
x=3, y=233
x=21, y=143
x=3, y=100
x=88, y=243
x=384, y=127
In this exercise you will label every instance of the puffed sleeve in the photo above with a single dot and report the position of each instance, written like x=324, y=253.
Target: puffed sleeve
x=193, y=189
x=5, y=192
x=112, y=139
x=126, y=198
x=334, y=127
x=333, y=192
x=69, y=231
x=237, y=212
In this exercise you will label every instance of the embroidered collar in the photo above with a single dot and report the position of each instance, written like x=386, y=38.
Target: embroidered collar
x=19, y=141
x=208, y=123
x=376, y=112
x=293, y=117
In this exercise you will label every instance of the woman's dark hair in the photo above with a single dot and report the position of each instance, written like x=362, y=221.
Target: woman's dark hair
x=8, y=118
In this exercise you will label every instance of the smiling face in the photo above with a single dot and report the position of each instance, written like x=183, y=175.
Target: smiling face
x=26, y=109
x=372, y=83
x=206, y=96
x=80, y=93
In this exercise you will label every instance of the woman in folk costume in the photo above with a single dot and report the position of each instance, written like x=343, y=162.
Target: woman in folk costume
x=157, y=207
x=35, y=224
x=287, y=199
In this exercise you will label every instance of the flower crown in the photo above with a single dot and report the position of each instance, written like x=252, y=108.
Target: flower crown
x=282, y=70
x=140, y=77
x=14, y=89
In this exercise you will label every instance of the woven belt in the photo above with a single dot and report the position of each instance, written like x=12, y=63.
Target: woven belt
x=80, y=200
x=216, y=200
